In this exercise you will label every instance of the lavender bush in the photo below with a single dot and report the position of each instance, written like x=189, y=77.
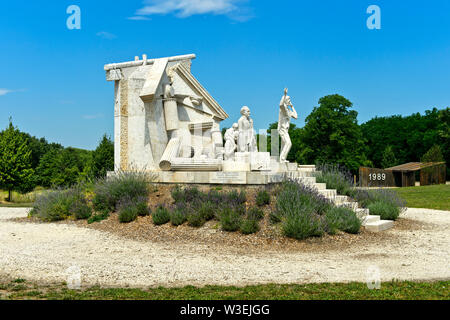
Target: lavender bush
x=336, y=177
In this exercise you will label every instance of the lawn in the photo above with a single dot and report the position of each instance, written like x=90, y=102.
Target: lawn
x=19, y=200
x=404, y=290
x=431, y=197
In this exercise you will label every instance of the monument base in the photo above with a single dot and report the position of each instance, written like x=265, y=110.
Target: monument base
x=231, y=177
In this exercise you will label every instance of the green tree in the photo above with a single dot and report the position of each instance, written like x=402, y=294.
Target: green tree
x=16, y=171
x=409, y=136
x=65, y=167
x=389, y=159
x=103, y=158
x=332, y=135
x=433, y=155
x=444, y=136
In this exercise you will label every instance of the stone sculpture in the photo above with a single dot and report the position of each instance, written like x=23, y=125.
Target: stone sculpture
x=284, y=121
x=246, y=139
x=230, y=142
x=166, y=123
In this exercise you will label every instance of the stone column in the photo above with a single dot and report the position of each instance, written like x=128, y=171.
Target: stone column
x=170, y=153
x=171, y=113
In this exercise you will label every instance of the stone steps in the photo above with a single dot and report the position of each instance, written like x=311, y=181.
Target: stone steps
x=340, y=199
x=328, y=193
x=306, y=168
x=379, y=225
x=370, y=219
x=372, y=223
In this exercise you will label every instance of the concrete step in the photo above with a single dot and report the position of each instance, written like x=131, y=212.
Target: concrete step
x=340, y=199
x=352, y=205
x=308, y=167
x=328, y=193
x=306, y=180
x=320, y=186
x=380, y=225
x=361, y=212
x=369, y=219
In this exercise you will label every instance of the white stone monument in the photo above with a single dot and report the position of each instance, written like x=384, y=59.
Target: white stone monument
x=166, y=123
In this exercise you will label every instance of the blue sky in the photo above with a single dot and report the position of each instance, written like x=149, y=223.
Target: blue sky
x=53, y=84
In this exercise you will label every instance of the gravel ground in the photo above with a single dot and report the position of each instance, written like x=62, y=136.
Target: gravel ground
x=417, y=248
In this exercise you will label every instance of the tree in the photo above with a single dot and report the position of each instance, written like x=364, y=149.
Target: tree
x=433, y=155
x=63, y=167
x=444, y=136
x=16, y=171
x=103, y=158
x=332, y=135
x=409, y=136
x=389, y=159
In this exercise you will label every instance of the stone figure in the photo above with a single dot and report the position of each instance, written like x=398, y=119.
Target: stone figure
x=284, y=121
x=246, y=138
x=230, y=142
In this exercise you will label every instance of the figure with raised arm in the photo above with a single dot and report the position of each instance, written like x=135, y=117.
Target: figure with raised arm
x=284, y=122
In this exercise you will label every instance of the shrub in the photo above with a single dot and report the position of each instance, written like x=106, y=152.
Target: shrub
x=81, y=209
x=386, y=210
x=302, y=226
x=110, y=191
x=230, y=219
x=186, y=195
x=128, y=213
x=255, y=213
x=336, y=177
x=342, y=218
x=142, y=208
x=177, y=216
x=294, y=198
x=235, y=197
x=388, y=196
x=161, y=215
x=61, y=204
x=262, y=198
x=249, y=226
x=177, y=194
x=207, y=210
x=195, y=218
x=98, y=217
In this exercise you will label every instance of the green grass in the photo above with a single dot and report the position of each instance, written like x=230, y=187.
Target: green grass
x=395, y=290
x=19, y=200
x=431, y=197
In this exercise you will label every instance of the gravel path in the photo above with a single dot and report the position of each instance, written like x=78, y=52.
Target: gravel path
x=43, y=251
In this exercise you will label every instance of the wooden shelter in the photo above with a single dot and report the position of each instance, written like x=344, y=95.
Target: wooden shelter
x=430, y=173
x=403, y=175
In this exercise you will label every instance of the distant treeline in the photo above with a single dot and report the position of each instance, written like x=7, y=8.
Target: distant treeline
x=27, y=162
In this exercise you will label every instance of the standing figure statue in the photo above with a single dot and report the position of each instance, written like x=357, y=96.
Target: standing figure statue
x=230, y=142
x=284, y=122
x=246, y=139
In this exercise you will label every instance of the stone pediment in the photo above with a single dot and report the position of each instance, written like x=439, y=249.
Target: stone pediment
x=190, y=80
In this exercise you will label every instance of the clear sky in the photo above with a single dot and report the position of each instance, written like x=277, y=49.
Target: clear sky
x=53, y=84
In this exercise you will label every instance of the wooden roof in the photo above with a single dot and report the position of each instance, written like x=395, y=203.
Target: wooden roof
x=414, y=166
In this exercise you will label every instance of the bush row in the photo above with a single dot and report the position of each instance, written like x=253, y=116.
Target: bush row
x=303, y=213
